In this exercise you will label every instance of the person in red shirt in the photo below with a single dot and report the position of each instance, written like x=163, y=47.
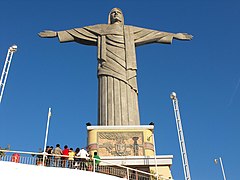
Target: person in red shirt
x=65, y=153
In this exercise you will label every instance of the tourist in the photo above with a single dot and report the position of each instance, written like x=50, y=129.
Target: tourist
x=49, y=151
x=96, y=161
x=90, y=163
x=57, y=155
x=76, y=159
x=71, y=155
x=83, y=155
x=65, y=156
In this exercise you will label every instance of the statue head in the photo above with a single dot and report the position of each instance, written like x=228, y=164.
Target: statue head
x=115, y=16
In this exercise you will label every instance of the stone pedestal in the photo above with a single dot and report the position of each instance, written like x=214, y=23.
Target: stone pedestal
x=121, y=140
x=131, y=146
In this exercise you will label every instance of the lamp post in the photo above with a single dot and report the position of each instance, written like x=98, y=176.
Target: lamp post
x=183, y=149
x=222, y=168
x=6, y=67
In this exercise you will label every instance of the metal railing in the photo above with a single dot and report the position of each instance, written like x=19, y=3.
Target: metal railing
x=61, y=161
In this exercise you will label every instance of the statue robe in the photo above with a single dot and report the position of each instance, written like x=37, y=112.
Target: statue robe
x=117, y=68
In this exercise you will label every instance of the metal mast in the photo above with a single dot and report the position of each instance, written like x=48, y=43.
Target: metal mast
x=221, y=163
x=6, y=67
x=181, y=137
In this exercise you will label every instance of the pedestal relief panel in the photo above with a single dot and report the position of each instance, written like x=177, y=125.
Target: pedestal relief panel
x=120, y=143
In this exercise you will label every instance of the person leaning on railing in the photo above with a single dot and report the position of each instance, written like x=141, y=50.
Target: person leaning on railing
x=49, y=156
x=97, y=161
x=71, y=155
x=89, y=163
x=65, y=152
x=57, y=151
x=76, y=159
x=83, y=155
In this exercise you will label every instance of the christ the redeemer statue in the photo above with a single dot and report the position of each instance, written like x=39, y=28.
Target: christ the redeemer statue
x=117, y=69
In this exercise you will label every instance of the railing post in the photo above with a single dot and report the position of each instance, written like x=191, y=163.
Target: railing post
x=127, y=173
x=94, y=165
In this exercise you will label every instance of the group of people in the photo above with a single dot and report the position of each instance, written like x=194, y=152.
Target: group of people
x=67, y=157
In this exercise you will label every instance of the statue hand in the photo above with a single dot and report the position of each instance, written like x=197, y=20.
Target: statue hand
x=183, y=36
x=47, y=34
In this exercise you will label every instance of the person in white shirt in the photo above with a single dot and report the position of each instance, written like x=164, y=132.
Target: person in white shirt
x=83, y=155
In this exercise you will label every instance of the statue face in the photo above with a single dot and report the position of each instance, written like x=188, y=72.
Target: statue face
x=116, y=16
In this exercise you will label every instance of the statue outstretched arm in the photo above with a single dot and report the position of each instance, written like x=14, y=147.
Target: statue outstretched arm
x=63, y=36
x=48, y=34
x=146, y=36
x=79, y=35
x=182, y=36
x=168, y=37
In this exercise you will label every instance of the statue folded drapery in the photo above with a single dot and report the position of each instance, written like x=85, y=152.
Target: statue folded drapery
x=117, y=69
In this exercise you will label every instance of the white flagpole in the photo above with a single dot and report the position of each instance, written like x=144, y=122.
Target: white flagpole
x=46, y=135
x=221, y=163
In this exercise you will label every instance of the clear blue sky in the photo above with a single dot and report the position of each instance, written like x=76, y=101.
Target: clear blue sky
x=204, y=72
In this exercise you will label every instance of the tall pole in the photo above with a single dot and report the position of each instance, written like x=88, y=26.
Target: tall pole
x=222, y=168
x=46, y=135
x=181, y=137
x=221, y=163
x=6, y=67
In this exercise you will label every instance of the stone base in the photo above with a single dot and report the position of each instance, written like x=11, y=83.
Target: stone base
x=131, y=146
